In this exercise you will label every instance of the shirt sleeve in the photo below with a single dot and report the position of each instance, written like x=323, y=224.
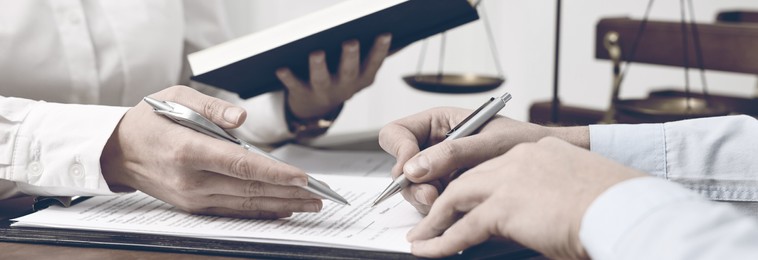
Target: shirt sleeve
x=713, y=156
x=51, y=149
x=649, y=218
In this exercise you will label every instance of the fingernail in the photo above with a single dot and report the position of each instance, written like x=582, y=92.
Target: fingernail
x=386, y=38
x=421, y=198
x=351, y=46
x=319, y=57
x=300, y=182
x=233, y=115
x=281, y=72
x=417, y=168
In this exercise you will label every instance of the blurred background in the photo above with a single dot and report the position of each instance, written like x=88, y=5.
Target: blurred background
x=524, y=32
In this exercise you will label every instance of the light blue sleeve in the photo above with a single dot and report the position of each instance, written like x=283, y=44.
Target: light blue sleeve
x=717, y=157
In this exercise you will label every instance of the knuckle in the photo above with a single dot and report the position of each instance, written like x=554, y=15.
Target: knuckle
x=250, y=204
x=275, y=177
x=213, y=108
x=349, y=74
x=255, y=188
x=240, y=167
x=181, y=153
x=265, y=173
x=447, y=150
x=188, y=185
x=320, y=81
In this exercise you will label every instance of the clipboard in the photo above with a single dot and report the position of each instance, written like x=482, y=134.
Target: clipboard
x=176, y=244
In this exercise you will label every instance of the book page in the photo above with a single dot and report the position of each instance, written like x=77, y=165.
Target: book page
x=358, y=226
x=355, y=163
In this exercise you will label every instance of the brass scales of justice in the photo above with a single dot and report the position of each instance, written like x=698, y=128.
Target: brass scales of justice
x=457, y=83
x=660, y=109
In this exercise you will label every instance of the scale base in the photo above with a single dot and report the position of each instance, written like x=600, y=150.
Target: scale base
x=665, y=109
x=453, y=83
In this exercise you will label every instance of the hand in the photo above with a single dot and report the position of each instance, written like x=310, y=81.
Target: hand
x=431, y=169
x=325, y=92
x=536, y=194
x=198, y=173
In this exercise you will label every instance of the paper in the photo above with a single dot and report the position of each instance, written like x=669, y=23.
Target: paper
x=359, y=226
x=357, y=163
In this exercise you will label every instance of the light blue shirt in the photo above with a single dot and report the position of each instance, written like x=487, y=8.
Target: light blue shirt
x=716, y=157
x=650, y=218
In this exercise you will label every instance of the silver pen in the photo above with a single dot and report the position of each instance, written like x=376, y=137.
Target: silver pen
x=193, y=120
x=473, y=122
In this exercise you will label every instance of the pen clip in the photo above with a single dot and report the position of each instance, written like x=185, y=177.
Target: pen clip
x=469, y=117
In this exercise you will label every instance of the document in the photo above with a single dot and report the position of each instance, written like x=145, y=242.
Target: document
x=382, y=228
x=356, y=163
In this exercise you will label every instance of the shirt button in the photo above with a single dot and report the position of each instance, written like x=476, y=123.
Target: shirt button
x=76, y=170
x=35, y=169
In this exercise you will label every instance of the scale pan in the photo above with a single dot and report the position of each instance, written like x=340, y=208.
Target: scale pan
x=453, y=83
x=664, y=109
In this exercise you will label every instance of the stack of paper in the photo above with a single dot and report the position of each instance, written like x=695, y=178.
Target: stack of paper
x=382, y=228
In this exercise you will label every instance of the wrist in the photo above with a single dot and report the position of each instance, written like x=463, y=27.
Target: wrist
x=112, y=166
x=576, y=135
x=310, y=127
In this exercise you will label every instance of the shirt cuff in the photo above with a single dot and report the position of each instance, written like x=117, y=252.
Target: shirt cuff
x=642, y=146
x=58, y=146
x=619, y=209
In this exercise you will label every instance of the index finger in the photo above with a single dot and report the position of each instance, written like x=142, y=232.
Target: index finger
x=399, y=142
x=229, y=159
x=406, y=137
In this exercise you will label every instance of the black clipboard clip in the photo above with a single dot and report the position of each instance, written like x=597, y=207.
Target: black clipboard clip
x=43, y=202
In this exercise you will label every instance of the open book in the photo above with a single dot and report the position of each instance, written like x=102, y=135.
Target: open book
x=382, y=228
x=247, y=65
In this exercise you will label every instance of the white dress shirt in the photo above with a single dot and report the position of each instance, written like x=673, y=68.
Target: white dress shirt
x=93, y=52
x=650, y=218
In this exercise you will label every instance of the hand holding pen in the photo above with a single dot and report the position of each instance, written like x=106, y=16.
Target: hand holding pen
x=404, y=137
x=189, y=118
x=195, y=172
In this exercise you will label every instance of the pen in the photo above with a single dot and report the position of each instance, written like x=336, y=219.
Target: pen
x=191, y=119
x=473, y=122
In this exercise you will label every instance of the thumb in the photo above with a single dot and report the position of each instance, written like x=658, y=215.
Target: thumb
x=220, y=112
x=440, y=160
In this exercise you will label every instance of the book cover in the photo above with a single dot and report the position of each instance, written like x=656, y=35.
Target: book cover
x=247, y=65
